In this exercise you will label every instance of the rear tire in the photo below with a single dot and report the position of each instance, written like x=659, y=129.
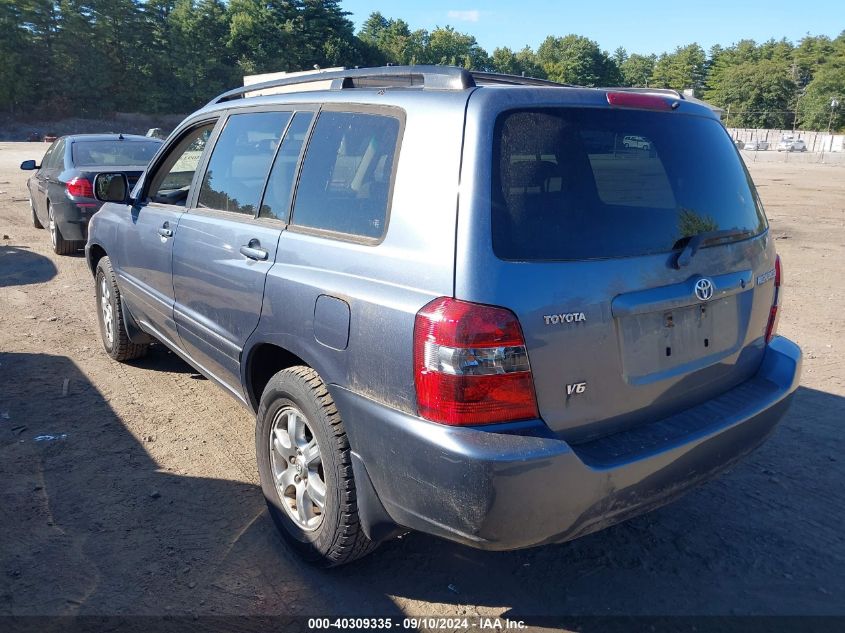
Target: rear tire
x=61, y=246
x=110, y=316
x=35, y=221
x=305, y=468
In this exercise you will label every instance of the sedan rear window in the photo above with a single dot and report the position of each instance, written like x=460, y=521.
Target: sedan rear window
x=589, y=183
x=121, y=153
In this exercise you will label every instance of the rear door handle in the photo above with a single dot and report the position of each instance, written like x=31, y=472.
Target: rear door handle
x=165, y=230
x=254, y=251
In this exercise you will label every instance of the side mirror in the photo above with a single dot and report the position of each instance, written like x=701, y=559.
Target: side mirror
x=111, y=187
x=29, y=165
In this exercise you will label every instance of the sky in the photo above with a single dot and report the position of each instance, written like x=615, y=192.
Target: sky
x=641, y=26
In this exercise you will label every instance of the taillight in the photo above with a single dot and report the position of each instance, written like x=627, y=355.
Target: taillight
x=774, y=313
x=638, y=100
x=80, y=188
x=471, y=365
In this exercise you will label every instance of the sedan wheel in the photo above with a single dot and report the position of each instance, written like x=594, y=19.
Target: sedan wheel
x=51, y=224
x=35, y=221
x=61, y=246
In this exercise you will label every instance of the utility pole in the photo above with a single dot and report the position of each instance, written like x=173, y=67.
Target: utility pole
x=801, y=93
x=833, y=104
x=798, y=98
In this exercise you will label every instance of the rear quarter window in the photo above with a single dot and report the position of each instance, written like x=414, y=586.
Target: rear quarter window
x=57, y=157
x=590, y=183
x=346, y=177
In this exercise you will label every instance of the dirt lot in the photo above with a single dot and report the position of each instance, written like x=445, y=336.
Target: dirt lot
x=133, y=489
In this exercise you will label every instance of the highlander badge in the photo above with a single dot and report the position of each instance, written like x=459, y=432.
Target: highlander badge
x=761, y=279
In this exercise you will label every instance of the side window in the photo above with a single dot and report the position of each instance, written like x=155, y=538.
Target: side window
x=240, y=161
x=48, y=155
x=172, y=180
x=57, y=158
x=345, y=180
x=280, y=183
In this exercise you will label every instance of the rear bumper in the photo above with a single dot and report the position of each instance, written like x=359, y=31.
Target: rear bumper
x=499, y=491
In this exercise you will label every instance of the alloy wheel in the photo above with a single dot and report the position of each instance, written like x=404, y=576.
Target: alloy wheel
x=297, y=467
x=106, y=309
x=52, y=226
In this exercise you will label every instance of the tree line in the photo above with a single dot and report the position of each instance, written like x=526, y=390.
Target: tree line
x=91, y=57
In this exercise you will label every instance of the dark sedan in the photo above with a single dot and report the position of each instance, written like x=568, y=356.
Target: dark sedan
x=61, y=195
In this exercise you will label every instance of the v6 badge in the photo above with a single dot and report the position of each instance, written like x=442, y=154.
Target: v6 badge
x=576, y=388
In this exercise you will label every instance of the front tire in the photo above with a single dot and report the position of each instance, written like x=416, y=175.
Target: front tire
x=305, y=468
x=110, y=316
x=61, y=246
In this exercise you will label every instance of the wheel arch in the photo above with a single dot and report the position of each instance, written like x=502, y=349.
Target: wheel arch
x=93, y=254
x=261, y=361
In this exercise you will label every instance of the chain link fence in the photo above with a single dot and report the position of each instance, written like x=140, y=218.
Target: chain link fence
x=820, y=146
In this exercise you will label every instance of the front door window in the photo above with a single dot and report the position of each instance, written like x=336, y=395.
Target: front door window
x=171, y=184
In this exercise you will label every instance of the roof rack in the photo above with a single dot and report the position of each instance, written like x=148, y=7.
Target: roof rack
x=515, y=80
x=434, y=77
x=425, y=76
x=661, y=91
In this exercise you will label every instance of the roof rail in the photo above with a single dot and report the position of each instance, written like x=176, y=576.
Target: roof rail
x=433, y=77
x=515, y=80
x=661, y=91
x=425, y=76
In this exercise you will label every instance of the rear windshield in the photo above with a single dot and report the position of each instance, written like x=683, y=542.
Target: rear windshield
x=124, y=153
x=587, y=183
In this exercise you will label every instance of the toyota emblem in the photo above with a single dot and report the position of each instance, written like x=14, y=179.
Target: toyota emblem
x=704, y=289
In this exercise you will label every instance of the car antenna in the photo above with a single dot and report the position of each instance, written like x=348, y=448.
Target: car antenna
x=120, y=136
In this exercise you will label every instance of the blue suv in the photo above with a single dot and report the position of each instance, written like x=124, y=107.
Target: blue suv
x=460, y=303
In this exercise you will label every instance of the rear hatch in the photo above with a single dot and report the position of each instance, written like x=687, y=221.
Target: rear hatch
x=592, y=209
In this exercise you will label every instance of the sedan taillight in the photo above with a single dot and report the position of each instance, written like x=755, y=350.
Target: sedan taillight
x=80, y=188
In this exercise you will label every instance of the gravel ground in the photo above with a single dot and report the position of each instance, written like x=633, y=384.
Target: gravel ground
x=132, y=489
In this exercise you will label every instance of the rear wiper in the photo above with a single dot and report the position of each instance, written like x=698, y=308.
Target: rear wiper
x=695, y=242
